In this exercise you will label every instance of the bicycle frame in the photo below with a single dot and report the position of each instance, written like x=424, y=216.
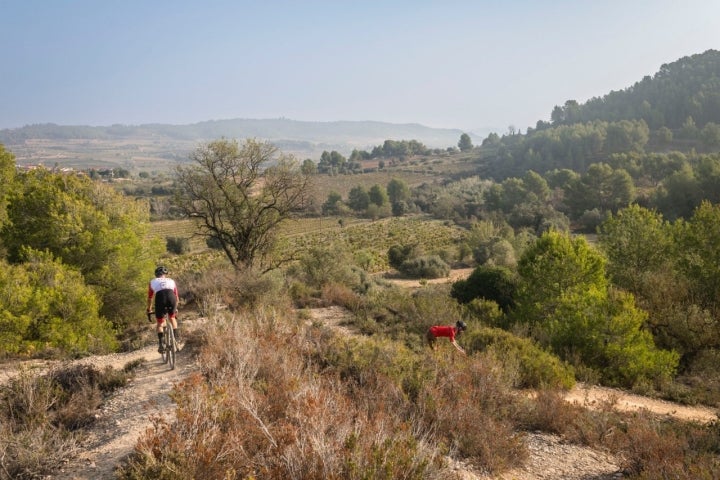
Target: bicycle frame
x=171, y=348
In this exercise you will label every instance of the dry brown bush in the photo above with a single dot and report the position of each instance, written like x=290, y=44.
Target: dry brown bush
x=260, y=410
x=223, y=287
x=40, y=414
x=550, y=412
x=469, y=407
x=341, y=295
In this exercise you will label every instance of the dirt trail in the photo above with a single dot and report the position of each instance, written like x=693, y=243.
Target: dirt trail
x=127, y=413
x=453, y=276
x=591, y=396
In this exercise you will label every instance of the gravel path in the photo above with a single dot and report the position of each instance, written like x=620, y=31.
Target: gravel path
x=126, y=415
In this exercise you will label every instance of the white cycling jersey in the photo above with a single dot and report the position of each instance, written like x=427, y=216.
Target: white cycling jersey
x=157, y=284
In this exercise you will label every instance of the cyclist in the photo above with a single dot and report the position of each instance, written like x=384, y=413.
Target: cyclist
x=446, y=331
x=164, y=290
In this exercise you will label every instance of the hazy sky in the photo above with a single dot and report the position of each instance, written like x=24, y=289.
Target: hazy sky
x=448, y=63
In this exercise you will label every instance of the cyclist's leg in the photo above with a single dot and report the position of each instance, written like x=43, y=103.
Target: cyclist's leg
x=160, y=323
x=172, y=315
x=431, y=339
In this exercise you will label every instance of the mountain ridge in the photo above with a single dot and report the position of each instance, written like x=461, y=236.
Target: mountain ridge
x=341, y=135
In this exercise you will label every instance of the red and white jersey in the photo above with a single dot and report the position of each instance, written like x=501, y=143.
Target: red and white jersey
x=162, y=283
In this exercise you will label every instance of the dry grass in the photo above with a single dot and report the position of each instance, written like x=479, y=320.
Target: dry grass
x=277, y=399
x=42, y=416
x=650, y=446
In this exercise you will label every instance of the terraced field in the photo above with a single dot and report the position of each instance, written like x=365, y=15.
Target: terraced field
x=355, y=234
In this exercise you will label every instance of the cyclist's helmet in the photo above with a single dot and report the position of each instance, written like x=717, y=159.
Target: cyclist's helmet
x=460, y=325
x=161, y=270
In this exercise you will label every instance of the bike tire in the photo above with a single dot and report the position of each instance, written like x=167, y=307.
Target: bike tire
x=166, y=350
x=171, y=347
x=166, y=339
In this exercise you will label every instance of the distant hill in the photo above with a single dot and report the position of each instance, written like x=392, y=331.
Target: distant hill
x=304, y=139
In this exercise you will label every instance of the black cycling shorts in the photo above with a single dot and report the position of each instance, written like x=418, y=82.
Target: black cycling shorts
x=165, y=302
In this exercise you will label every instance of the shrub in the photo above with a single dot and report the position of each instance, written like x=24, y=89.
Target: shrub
x=40, y=415
x=335, y=294
x=213, y=243
x=590, y=220
x=431, y=266
x=550, y=412
x=321, y=265
x=496, y=251
x=399, y=254
x=177, y=245
x=473, y=410
x=48, y=309
x=486, y=311
x=225, y=287
x=490, y=283
x=88, y=227
x=535, y=367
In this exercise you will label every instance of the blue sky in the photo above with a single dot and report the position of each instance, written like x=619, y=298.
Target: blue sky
x=471, y=65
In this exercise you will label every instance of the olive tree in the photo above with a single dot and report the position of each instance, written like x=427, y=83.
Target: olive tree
x=241, y=194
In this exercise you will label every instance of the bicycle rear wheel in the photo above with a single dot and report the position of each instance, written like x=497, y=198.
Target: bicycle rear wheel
x=171, y=347
x=166, y=350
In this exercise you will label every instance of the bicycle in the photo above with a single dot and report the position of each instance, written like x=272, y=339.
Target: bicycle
x=171, y=347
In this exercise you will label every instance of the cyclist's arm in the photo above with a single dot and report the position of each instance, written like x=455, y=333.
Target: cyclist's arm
x=459, y=348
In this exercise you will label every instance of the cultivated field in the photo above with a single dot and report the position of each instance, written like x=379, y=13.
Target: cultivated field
x=372, y=239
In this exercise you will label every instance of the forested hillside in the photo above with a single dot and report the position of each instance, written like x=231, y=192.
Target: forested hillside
x=688, y=88
x=677, y=110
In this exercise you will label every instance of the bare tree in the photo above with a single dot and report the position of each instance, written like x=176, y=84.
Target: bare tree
x=240, y=195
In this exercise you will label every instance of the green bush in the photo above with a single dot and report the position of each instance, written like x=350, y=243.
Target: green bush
x=535, y=367
x=177, y=245
x=45, y=307
x=90, y=227
x=213, y=243
x=490, y=283
x=485, y=311
x=431, y=266
x=399, y=254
